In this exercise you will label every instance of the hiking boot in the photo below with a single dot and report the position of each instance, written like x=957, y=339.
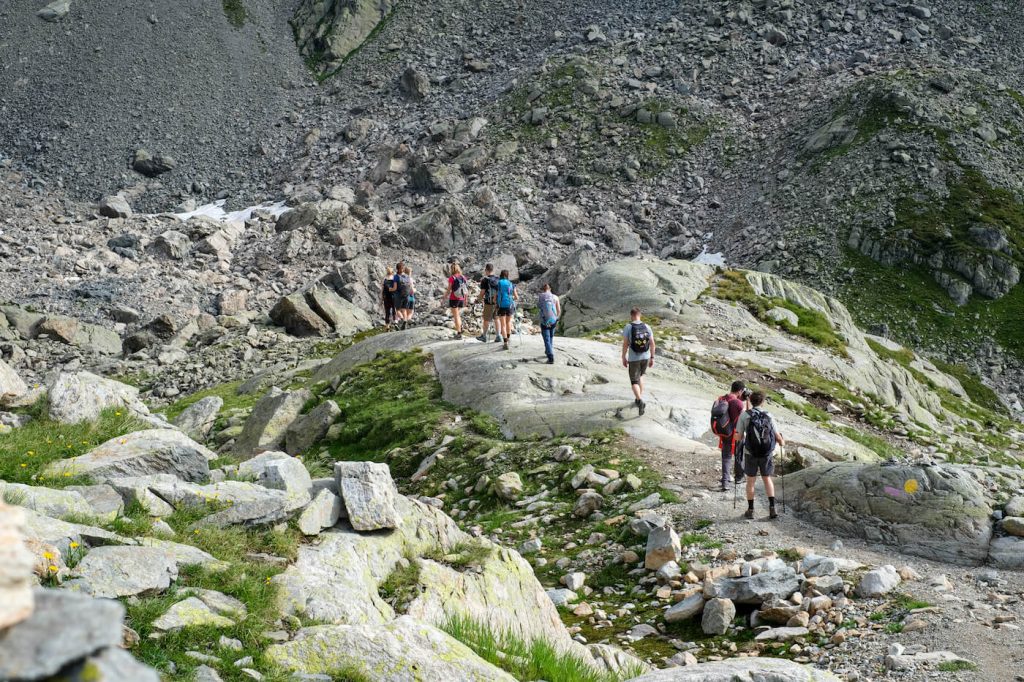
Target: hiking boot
x=551, y=361
x=458, y=335
x=482, y=338
x=772, y=514
x=505, y=346
x=641, y=407
x=741, y=480
x=723, y=489
x=749, y=514
x=498, y=339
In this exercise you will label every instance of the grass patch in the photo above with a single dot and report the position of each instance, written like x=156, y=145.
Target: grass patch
x=234, y=10
x=893, y=628
x=402, y=585
x=233, y=400
x=879, y=446
x=26, y=451
x=907, y=603
x=956, y=666
x=536, y=660
x=463, y=555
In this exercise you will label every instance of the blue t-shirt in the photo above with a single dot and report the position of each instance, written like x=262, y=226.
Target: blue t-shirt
x=505, y=291
x=632, y=355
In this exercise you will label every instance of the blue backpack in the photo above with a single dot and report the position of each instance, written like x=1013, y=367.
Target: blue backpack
x=548, y=313
x=505, y=289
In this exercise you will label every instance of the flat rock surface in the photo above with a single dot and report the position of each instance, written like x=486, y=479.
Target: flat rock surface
x=123, y=572
x=152, y=451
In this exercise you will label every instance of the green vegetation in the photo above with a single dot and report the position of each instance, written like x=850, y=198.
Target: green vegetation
x=956, y=666
x=732, y=285
x=25, y=452
x=402, y=585
x=233, y=400
x=894, y=628
x=978, y=392
x=464, y=555
x=234, y=10
x=907, y=603
x=329, y=349
x=536, y=660
x=879, y=446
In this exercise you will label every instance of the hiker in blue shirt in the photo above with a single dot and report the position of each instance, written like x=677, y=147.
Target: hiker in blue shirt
x=507, y=297
x=550, y=310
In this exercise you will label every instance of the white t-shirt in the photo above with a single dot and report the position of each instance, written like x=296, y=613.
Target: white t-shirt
x=744, y=421
x=632, y=355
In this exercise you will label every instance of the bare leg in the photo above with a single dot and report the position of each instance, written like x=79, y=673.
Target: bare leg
x=751, y=481
x=457, y=314
x=769, y=485
x=638, y=391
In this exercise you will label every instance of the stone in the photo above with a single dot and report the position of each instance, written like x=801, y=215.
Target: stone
x=294, y=314
x=105, y=502
x=669, y=571
x=16, y=562
x=686, y=609
x=878, y=582
x=114, y=207
x=232, y=302
x=778, y=581
x=170, y=244
x=343, y=317
x=946, y=519
x=783, y=315
x=508, y=486
x=1013, y=525
x=152, y=165
x=439, y=177
x=82, y=396
x=152, y=451
x=784, y=634
x=11, y=385
x=205, y=673
x=652, y=501
x=751, y=669
x=31, y=651
x=188, y=613
x=48, y=501
x=55, y=11
x=587, y=504
x=267, y=425
x=368, y=493
x=1015, y=506
x=562, y=596
x=309, y=429
x=1007, y=552
x=662, y=546
x=297, y=218
x=123, y=571
x=323, y=512
x=718, y=615
x=110, y=665
x=390, y=651
x=574, y=581
x=197, y=419
x=280, y=471
x=565, y=217
x=414, y=83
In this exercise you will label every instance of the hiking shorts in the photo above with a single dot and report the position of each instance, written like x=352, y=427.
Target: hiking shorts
x=759, y=466
x=489, y=309
x=504, y=312
x=405, y=303
x=456, y=303
x=637, y=368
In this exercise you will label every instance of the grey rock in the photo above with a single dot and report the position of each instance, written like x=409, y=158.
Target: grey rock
x=783, y=315
x=297, y=218
x=31, y=651
x=415, y=83
x=55, y=11
x=565, y=217
x=115, y=207
x=110, y=665
x=686, y=609
x=718, y=615
x=294, y=314
x=369, y=493
x=781, y=634
x=171, y=244
x=1015, y=506
x=662, y=546
x=752, y=669
x=152, y=165
x=190, y=612
x=329, y=32
x=310, y=428
x=197, y=419
x=205, y=673
x=562, y=596
x=280, y=471
x=266, y=427
x=1007, y=552
x=11, y=385
x=81, y=396
x=588, y=503
x=878, y=582
x=48, y=501
x=778, y=582
x=508, y=486
x=121, y=571
x=343, y=317
x=438, y=177
x=323, y=512
x=152, y=451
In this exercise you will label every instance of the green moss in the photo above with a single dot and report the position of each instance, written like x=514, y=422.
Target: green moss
x=233, y=400
x=956, y=666
x=26, y=451
x=234, y=10
x=402, y=585
x=879, y=446
x=464, y=555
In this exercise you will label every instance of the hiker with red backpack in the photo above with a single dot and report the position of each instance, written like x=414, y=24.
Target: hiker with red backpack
x=458, y=294
x=725, y=417
x=760, y=436
x=637, y=355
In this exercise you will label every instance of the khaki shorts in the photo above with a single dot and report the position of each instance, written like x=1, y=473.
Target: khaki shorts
x=489, y=310
x=637, y=368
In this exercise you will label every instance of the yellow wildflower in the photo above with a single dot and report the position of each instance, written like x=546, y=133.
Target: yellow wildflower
x=48, y=556
x=53, y=569
x=23, y=464
x=74, y=545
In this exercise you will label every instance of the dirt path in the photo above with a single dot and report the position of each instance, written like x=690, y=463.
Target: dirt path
x=962, y=623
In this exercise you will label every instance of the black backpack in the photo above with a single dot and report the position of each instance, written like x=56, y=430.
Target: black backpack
x=759, y=441
x=404, y=283
x=639, y=337
x=721, y=425
x=491, y=290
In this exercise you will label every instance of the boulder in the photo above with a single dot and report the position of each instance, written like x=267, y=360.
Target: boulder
x=152, y=165
x=778, y=581
x=783, y=315
x=294, y=314
x=662, y=546
x=438, y=177
x=123, y=571
x=170, y=244
x=945, y=518
x=323, y=512
x=31, y=650
x=718, y=615
x=16, y=562
x=1015, y=506
x=414, y=83
x=1007, y=552
x=153, y=451
x=48, y=501
x=384, y=653
x=297, y=218
x=197, y=419
x=565, y=217
x=368, y=494
x=115, y=206
x=741, y=670
x=55, y=11
x=11, y=385
x=1013, y=525
x=343, y=317
x=588, y=503
x=781, y=634
x=82, y=396
x=190, y=612
x=309, y=429
x=686, y=609
x=878, y=582
x=267, y=425
x=279, y=471
x=508, y=486
x=328, y=32
x=110, y=665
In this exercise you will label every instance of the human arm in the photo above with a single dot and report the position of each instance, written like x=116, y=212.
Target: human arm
x=625, y=349
x=558, y=307
x=778, y=434
x=651, y=362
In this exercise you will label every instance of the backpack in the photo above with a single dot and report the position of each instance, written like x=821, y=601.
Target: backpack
x=404, y=285
x=490, y=290
x=760, y=437
x=505, y=289
x=548, y=313
x=460, y=290
x=639, y=337
x=721, y=425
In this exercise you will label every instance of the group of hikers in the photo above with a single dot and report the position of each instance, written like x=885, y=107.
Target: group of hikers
x=746, y=432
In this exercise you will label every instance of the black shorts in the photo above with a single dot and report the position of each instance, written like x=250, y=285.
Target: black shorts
x=405, y=304
x=456, y=303
x=504, y=312
x=637, y=368
x=755, y=466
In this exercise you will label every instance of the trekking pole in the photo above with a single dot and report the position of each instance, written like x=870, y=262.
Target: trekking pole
x=782, y=475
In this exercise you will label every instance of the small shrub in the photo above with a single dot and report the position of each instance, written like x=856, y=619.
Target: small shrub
x=956, y=666
x=234, y=10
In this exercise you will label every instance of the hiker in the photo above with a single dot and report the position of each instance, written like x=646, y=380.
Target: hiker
x=398, y=296
x=405, y=294
x=458, y=292
x=760, y=436
x=550, y=310
x=387, y=297
x=637, y=354
x=507, y=297
x=725, y=416
x=489, y=297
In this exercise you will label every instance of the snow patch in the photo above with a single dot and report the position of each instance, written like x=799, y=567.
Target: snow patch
x=216, y=212
x=705, y=258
